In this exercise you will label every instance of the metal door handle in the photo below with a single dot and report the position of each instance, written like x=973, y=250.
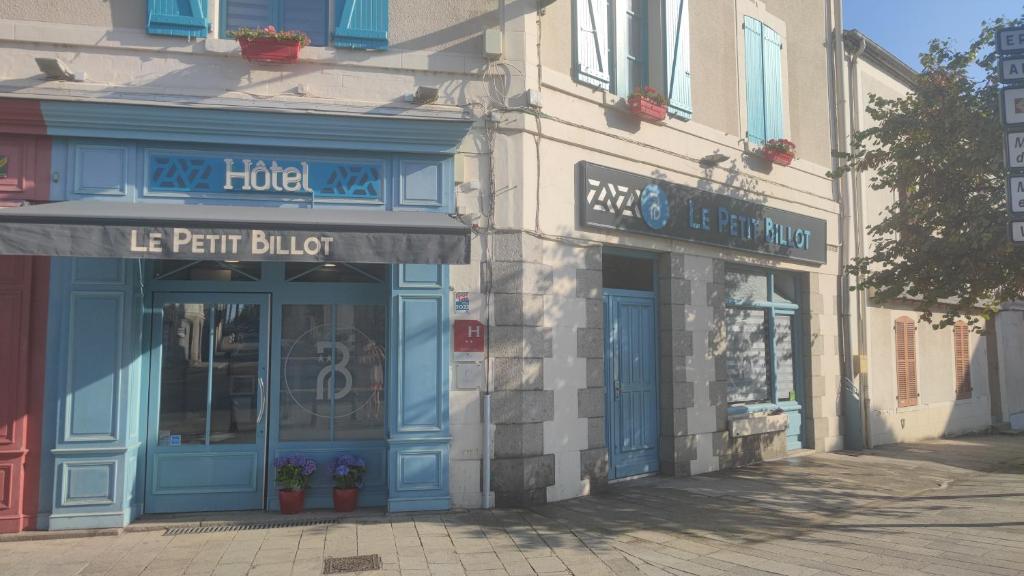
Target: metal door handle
x=262, y=400
x=618, y=388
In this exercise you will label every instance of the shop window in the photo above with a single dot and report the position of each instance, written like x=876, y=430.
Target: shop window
x=962, y=360
x=207, y=270
x=762, y=48
x=335, y=272
x=906, y=362
x=614, y=40
x=761, y=336
x=332, y=372
x=627, y=273
x=309, y=16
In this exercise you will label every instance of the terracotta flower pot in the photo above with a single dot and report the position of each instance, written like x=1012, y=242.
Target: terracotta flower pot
x=345, y=499
x=647, y=109
x=269, y=50
x=778, y=157
x=291, y=501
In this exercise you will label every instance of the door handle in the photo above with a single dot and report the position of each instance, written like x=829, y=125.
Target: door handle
x=618, y=388
x=262, y=400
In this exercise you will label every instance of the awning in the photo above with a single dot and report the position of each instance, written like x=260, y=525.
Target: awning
x=91, y=228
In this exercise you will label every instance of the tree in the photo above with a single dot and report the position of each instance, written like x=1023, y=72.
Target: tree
x=943, y=244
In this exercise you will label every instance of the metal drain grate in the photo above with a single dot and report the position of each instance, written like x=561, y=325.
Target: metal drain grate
x=253, y=526
x=351, y=564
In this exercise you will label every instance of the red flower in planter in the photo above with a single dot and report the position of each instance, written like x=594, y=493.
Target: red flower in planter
x=778, y=151
x=646, y=103
x=269, y=45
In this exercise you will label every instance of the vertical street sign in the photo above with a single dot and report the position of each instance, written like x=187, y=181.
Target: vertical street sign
x=1010, y=46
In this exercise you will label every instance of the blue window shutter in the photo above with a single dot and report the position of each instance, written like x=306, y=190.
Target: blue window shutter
x=177, y=18
x=361, y=24
x=592, y=58
x=310, y=16
x=248, y=14
x=677, y=57
x=754, y=56
x=772, y=48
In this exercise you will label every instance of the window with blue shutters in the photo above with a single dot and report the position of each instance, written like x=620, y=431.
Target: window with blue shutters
x=613, y=43
x=309, y=16
x=361, y=24
x=763, y=55
x=177, y=18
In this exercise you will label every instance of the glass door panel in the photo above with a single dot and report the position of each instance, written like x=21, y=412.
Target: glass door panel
x=332, y=372
x=208, y=371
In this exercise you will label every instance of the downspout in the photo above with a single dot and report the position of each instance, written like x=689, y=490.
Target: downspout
x=856, y=184
x=852, y=429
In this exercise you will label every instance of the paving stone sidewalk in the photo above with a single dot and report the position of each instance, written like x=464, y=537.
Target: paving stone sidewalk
x=949, y=507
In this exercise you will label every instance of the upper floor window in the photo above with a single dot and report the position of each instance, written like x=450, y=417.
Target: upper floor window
x=906, y=362
x=309, y=16
x=345, y=23
x=614, y=41
x=762, y=48
x=962, y=360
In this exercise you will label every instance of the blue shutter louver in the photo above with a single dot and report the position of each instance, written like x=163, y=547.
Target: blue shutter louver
x=177, y=18
x=753, y=54
x=361, y=24
x=677, y=57
x=772, y=49
x=592, y=62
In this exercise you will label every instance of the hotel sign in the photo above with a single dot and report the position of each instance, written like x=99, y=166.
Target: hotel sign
x=240, y=245
x=613, y=199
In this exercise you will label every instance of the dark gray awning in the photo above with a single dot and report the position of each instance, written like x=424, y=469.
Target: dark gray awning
x=203, y=232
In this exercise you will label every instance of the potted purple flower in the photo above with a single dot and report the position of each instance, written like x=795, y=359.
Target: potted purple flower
x=293, y=473
x=348, y=479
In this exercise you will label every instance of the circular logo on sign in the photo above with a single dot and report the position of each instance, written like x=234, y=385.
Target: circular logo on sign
x=654, y=207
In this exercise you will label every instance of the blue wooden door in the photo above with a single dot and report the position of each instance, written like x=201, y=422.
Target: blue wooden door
x=208, y=401
x=631, y=382
x=785, y=370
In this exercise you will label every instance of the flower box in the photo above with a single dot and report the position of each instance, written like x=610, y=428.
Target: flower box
x=778, y=151
x=270, y=51
x=270, y=45
x=647, y=109
x=778, y=157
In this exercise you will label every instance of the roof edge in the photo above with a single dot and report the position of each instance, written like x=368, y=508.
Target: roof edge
x=879, y=56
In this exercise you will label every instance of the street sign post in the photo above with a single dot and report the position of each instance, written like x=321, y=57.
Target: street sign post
x=1011, y=69
x=1015, y=194
x=1010, y=46
x=1010, y=40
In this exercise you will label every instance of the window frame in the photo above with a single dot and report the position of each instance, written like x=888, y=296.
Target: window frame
x=619, y=45
x=772, y=309
x=277, y=8
x=760, y=13
x=909, y=330
x=963, y=388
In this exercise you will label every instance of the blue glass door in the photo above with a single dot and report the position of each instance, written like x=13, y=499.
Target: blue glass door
x=631, y=382
x=208, y=402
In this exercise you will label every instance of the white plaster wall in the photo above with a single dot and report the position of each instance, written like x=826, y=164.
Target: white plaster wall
x=1010, y=336
x=938, y=412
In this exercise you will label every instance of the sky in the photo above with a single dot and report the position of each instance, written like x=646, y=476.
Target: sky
x=904, y=27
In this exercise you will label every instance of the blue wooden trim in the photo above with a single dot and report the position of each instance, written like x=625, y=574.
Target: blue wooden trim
x=255, y=128
x=361, y=24
x=275, y=16
x=185, y=18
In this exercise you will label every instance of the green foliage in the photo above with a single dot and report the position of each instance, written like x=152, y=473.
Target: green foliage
x=943, y=244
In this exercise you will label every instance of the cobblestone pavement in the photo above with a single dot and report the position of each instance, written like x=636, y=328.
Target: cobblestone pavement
x=950, y=507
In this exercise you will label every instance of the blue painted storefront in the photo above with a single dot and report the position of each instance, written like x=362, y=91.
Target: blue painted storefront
x=107, y=458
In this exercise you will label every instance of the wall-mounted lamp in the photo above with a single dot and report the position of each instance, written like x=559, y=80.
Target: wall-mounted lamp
x=55, y=69
x=712, y=160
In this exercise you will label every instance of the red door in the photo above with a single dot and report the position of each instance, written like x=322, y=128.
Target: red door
x=23, y=288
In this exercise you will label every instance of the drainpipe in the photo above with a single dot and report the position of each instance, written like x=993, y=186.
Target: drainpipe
x=853, y=430
x=856, y=184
